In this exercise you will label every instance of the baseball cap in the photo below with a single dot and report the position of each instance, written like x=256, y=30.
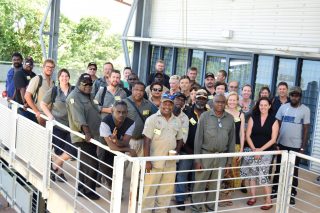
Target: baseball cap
x=28, y=61
x=209, y=74
x=295, y=90
x=202, y=93
x=179, y=94
x=92, y=64
x=85, y=78
x=167, y=97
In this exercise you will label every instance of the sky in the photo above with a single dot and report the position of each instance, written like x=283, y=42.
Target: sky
x=116, y=12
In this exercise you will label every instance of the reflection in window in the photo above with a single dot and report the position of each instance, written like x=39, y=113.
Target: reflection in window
x=168, y=58
x=264, y=73
x=240, y=70
x=287, y=71
x=310, y=79
x=197, y=61
x=215, y=63
x=182, y=57
x=155, y=56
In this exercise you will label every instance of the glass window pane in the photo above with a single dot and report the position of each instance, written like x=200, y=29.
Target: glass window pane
x=264, y=73
x=168, y=58
x=215, y=63
x=240, y=70
x=182, y=57
x=287, y=71
x=310, y=79
x=197, y=61
x=155, y=56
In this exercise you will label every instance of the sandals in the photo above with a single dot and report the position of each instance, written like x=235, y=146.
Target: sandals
x=251, y=201
x=225, y=203
x=267, y=206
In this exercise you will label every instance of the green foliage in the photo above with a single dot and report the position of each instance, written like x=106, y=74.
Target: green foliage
x=79, y=43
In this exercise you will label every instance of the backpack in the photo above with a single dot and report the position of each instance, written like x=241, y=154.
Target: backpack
x=35, y=95
x=55, y=92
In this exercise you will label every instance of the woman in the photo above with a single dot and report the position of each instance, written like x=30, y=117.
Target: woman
x=246, y=103
x=174, y=84
x=126, y=72
x=264, y=92
x=233, y=108
x=192, y=96
x=53, y=105
x=262, y=132
x=156, y=92
x=185, y=85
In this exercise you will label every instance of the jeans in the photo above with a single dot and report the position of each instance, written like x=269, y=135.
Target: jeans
x=183, y=177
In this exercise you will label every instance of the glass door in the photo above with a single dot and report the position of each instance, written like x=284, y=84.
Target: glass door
x=239, y=70
x=215, y=63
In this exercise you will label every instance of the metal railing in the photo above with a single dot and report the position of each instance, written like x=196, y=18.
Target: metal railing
x=128, y=195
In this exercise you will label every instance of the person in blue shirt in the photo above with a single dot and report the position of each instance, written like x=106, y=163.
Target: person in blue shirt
x=16, y=66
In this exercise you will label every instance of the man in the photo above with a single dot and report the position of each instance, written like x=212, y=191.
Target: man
x=37, y=88
x=132, y=80
x=209, y=81
x=83, y=116
x=92, y=70
x=220, y=87
x=158, y=78
x=282, y=97
x=233, y=86
x=139, y=109
x=116, y=129
x=104, y=80
x=160, y=65
x=163, y=133
x=184, y=85
x=193, y=114
x=222, y=76
x=179, y=103
x=107, y=95
x=192, y=74
x=21, y=80
x=215, y=134
x=294, y=118
x=16, y=66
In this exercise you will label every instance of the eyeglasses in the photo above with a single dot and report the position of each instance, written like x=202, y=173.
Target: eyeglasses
x=92, y=69
x=233, y=87
x=157, y=90
x=132, y=79
x=86, y=84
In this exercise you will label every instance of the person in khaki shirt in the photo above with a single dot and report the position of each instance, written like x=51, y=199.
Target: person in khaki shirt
x=163, y=133
x=46, y=84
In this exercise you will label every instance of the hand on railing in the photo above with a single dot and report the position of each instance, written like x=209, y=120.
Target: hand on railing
x=133, y=153
x=198, y=166
x=88, y=137
x=148, y=166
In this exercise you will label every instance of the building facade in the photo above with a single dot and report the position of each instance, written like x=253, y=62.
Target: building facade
x=256, y=42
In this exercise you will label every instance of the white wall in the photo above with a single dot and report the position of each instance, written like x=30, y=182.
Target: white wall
x=270, y=26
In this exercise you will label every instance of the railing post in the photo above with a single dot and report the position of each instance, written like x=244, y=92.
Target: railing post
x=134, y=184
x=47, y=160
x=141, y=186
x=13, y=132
x=77, y=178
x=282, y=181
x=117, y=182
x=288, y=183
x=218, y=189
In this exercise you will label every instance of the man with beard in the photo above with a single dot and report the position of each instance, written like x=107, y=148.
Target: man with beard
x=215, y=134
x=160, y=68
x=193, y=114
x=192, y=74
x=16, y=66
x=83, y=116
x=139, y=109
x=179, y=103
x=21, y=80
x=104, y=80
x=209, y=81
x=163, y=135
x=294, y=119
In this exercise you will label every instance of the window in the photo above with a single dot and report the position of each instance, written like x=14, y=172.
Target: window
x=264, y=73
x=310, y=79
x=182, y=58
x=155, y=56
x=197, y=61
x=240, y=70
x=168, y=59
x=215, y=63
x=287, y=71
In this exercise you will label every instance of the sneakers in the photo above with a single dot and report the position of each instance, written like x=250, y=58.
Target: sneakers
x=61, y=178
x=274, y=194
x=317, y=181
x=181, y=208
x=90, y=195
x=292, y=201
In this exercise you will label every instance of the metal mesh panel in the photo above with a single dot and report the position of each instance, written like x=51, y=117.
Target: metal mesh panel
x=32, y=143
x=5, y=125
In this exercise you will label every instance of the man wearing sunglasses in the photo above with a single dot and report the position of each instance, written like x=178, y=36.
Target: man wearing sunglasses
x=84, y=117
x=294, y=118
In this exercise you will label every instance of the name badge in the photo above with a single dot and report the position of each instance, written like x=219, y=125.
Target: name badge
x=145, y=112
x=157, y=131
x=210, y=97
x=95, y=101
x=184, y=130
x=237, y=119
x=72, y=101
x=117, y=98
x=28, y=77
x=192, y=121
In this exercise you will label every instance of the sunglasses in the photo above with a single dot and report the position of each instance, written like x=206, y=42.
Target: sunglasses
x=86, y=84
x=157, y=90
x=132, y=79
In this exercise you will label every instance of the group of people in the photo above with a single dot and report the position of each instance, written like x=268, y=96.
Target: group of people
x=171, y=115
